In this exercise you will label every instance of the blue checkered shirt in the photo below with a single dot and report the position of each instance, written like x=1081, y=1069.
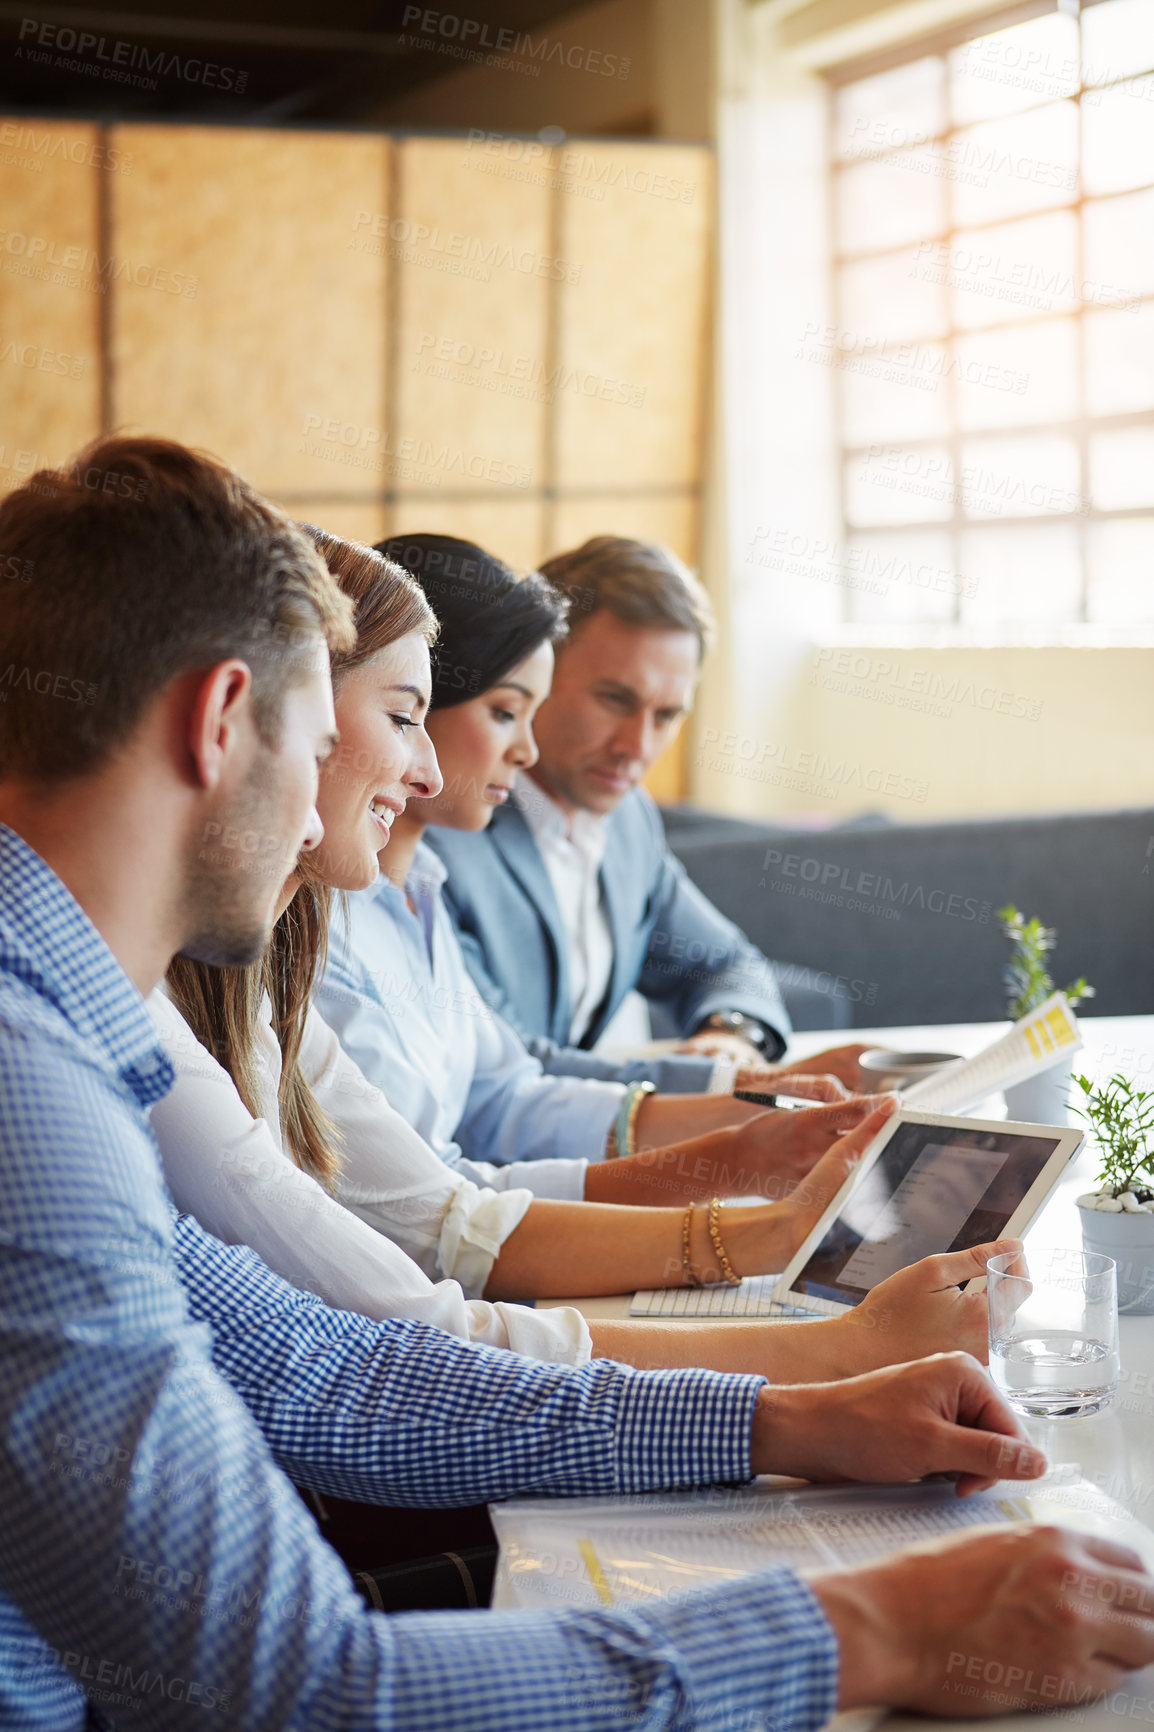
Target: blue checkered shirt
x=156, y=1567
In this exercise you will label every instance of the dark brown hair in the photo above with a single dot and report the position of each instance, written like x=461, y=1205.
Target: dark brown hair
x=146, y=560
x=221, y=1005
x=639, y=582
x=491, y=619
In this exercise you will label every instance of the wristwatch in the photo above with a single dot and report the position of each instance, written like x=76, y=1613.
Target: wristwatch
x=734, y=1022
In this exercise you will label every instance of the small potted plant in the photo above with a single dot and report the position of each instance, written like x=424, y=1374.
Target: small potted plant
x=1118, y=1218
x=1041, y=1100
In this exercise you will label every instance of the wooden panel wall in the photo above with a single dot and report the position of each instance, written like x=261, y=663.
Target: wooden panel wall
x=267, y=342
x=52, y=293
x=384, y=335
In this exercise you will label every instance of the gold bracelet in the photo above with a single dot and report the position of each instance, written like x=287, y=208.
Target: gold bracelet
x=715, y=1236
x=691, y=1279
x=641, y=1093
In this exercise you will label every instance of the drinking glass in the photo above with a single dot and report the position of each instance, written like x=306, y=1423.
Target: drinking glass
x=1054, y=1331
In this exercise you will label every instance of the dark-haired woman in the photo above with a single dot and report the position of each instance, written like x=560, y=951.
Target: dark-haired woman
x=397, y=990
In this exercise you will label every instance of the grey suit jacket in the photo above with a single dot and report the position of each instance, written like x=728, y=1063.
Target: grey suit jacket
x=668, y=940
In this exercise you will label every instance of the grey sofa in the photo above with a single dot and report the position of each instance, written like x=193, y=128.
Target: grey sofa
x=879, y=923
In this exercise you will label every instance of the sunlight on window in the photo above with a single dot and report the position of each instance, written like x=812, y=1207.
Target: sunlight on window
x=1120, y=361
x=887, y=294
x=1117, y=39
x=993, y=208
x=894, y=110
x=1021, y=575
x=1012, y=378
x=1119, y=560
x=1119, y=241
x=1122, y=467
x=1014, y=69
x=1017, y=270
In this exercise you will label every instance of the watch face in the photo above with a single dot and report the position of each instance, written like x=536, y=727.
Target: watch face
x=734, y=1022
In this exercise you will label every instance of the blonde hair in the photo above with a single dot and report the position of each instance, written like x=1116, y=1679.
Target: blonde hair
x=222, y=1005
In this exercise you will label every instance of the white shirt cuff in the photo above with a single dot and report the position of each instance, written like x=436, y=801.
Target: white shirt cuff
x=474, y=1228
x=564, y=1181
x=559, y=1333
x=724, y=1076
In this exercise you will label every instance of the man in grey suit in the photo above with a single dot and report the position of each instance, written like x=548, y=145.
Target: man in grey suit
x=571, y=897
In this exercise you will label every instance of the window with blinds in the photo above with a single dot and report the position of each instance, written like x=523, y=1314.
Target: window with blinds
x=992, y=343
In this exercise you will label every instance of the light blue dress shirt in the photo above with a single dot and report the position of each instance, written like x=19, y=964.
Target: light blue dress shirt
x=405, y=1007
x=157, y=1570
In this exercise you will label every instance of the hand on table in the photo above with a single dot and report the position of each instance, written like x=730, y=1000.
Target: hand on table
x=771, y=1079
x=715, y=1043
x=837, y=1061
x=827, y=1076
x=989, y=1622
x=937, y=1415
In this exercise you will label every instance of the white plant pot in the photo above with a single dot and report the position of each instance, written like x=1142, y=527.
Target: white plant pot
x=1041, y=1100
x=1129, y=1239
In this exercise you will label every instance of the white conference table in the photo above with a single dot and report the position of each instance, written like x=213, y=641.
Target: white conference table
x=1114, y=1449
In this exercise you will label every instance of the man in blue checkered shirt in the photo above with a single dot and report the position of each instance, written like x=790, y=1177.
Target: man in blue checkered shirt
x=165, y=701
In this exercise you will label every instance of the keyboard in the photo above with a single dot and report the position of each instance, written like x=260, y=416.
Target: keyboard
x=752, y=1298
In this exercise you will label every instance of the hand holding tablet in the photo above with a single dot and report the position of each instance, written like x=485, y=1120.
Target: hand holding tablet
x=927, y=1184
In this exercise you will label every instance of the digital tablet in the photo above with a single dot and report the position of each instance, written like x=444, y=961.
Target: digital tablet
x=927, y=1183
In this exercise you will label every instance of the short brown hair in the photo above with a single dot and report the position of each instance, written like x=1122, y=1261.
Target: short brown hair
x=641, y=582
x=146, y=560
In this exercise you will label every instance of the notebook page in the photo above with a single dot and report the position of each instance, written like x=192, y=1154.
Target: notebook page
x=608, y=1551
x=1041, y=1039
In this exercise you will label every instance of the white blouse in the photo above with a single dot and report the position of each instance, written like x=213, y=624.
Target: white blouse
x=403, y=1217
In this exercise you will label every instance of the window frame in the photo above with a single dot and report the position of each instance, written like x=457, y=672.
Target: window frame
x=1079, y=429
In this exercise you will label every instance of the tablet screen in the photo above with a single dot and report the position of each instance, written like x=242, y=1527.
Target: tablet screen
x=933, y=1188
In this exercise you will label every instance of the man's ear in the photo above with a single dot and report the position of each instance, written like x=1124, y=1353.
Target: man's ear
x=221, y=704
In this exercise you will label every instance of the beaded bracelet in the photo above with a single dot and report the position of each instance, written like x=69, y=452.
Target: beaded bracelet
x=691, y=1279
x=620, y=1139
x=715, y=1236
